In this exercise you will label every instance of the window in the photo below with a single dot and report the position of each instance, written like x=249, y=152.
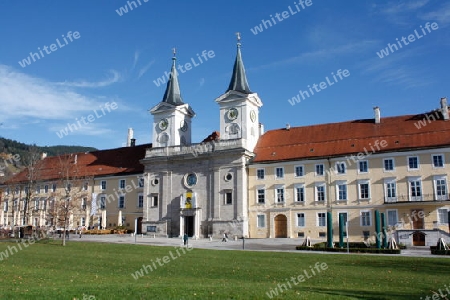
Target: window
x=122, y=184
x=341, y=191
x=366, y=234
x=85, y=186
x=299, y=193
x=25, y=190
x=440, y=183
x=364, y=190
x=36, y=203
x=321, y=219
x=46, y=188
x=413, y=163
x=279, y=173
x=415, y=190
x=17, y=190
x=54, y=187
x=438, y=161
x=140, y=203
x=261, y=221
x=103, y=184
x=102, y=202
x=83, y=203
x=141, y=182
x=260, y=173
x=301, y=220
x=392, y=217
x=7, y=191
x=279, y=194
x=228, y=198
x=121, y=201
x=363, y=166
x=38, y=189
x=83, y=221
x=261, y=195
x=69, y=187
x=154, y=200
x=320, y=192
x=299, y=171
x=391, y=191
x=319, y=170
x=5, y=206
x=443, y=216
x=389, y=164
x=365, y=218
x=340, y=168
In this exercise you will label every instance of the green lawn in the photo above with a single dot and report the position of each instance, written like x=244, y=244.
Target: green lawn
x=47, y=270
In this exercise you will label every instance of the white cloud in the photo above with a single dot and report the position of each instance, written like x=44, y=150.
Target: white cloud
x=441, y=15
x=321, y=54
x=24, y=97
x=144, y=70
x=86, y=84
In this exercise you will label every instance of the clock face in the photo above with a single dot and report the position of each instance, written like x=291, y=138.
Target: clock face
x=163, y=124
x=183, y=125
x=232, y=113
x=252, y=116
x=191, y=179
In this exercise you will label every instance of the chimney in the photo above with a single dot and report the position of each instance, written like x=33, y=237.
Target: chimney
x=444, y=108
x=43, y=155
x=261, y=129
x=132, y=142
x=377, y=113
x=288, y=126
x=129, y=136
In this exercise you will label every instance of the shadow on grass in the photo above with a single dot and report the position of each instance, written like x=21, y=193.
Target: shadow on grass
x=367, y=295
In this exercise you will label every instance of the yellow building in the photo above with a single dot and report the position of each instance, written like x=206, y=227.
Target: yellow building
x=396, y=165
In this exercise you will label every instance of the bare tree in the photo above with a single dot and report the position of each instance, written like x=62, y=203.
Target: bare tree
x=70, y=194
x=32, y=162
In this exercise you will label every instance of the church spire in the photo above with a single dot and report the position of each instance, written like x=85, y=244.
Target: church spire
x=239, y=80
x=173, y=94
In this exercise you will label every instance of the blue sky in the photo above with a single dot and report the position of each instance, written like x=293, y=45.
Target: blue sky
x=116, y=59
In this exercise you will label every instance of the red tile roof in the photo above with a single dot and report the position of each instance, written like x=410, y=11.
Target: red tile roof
x=119, y=161
x=400, y=133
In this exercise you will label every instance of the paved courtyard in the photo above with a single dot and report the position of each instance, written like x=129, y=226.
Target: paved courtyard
x=286, y=245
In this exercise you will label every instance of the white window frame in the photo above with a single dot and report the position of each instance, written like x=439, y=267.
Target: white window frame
x=318, y=219
x=388, y=181
x=435, y=186
x=298, y=219
x=323, y=169
x=260, y=188
x=410, y=181
x=396, y=216
x=152, y=200
x=440, y=222
x=119, y=200
x=316, y=192
x=276, y=173
x=393, y=164
x=280, y=187
x=361, y=218
x=359, y=166
x=103, y=183
x=360, y=182
x=443, y=161
x=295, y=170
x=263, y=173
x=102, y=204
x=338, y=184
x=140, y=197
x=299, y=186
x=408, y=163
x=261, y=218
x=340, y=168
x=124, y=184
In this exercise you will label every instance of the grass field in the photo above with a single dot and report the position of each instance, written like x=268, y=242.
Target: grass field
x=85, y=270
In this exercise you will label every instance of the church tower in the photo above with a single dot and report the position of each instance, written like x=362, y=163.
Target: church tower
x=239, y=107
x=172, y=117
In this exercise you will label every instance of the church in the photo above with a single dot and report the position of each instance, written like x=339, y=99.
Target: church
x=202, y=189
